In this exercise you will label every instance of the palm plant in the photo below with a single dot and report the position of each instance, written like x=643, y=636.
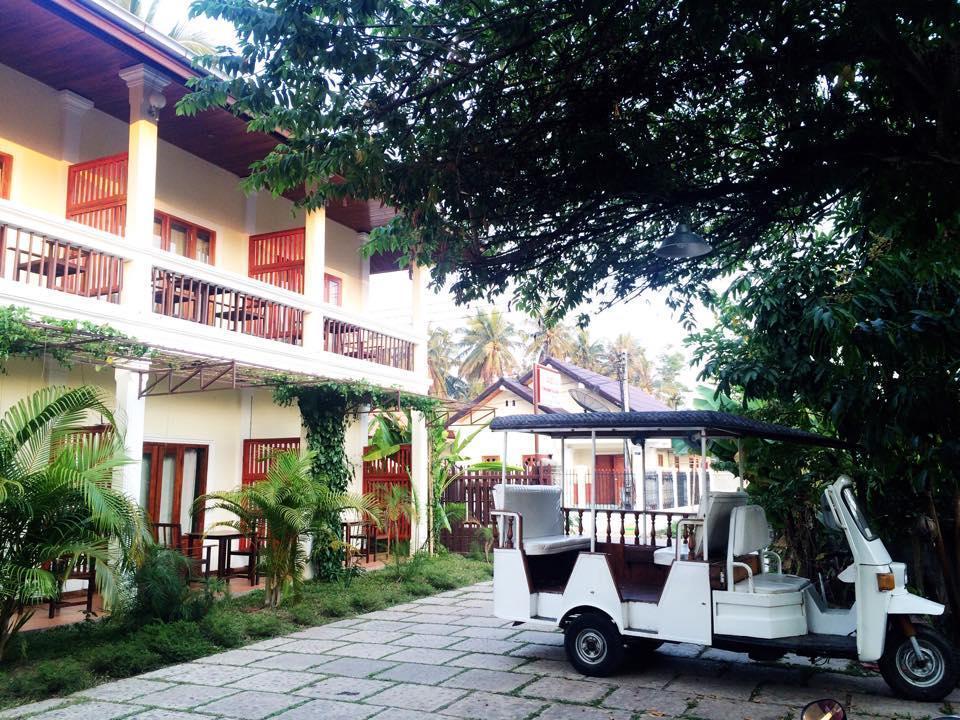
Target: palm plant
x=549, y=340
x=396, y=505
x=191, y=38
x=440, y=361
x=639, y=371
x=447, y=458
x=487, y=347
x=586, y=352
x=291, y=504
x=57, y=502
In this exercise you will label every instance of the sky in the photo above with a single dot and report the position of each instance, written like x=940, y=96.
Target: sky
x=647, y=318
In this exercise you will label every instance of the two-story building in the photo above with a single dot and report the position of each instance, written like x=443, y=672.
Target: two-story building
x=116, y=210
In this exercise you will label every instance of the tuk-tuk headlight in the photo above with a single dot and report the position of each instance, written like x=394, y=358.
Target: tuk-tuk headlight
x=886, y=581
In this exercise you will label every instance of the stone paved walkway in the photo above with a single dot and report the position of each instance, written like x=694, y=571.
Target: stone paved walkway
x=447, y=657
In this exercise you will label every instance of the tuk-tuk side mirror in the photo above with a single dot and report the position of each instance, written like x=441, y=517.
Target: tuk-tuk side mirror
x=824, y=710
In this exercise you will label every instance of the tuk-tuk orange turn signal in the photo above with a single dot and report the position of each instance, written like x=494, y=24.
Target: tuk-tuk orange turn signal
x=886, y=581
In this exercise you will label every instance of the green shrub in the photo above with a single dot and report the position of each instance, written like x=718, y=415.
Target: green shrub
x=120, y=660
x=335, y=605
x=303, y=614
x=52, y=677
x=161, y=586
x=439, y=579
x=224, y=627
x=176, y=642
x=263, y=624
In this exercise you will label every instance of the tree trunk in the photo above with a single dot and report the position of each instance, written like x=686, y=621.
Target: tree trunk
x=949, y=578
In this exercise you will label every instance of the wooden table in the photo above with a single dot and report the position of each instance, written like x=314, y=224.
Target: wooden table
x=224, y=536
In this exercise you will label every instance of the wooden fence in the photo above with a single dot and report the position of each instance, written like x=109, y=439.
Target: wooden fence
x=380, y=475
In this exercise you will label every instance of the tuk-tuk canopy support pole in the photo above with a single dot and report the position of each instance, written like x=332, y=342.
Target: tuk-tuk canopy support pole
x=643, y=483
x=503, y=464
x=704, y=490
x=563, y=466
x=593, y=493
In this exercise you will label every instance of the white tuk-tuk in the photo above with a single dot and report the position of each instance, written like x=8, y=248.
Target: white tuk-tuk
x=724, y=588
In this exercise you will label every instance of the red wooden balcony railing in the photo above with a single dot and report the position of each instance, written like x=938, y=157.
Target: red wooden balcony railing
x=34, y=258
x=277, y=258
x=97, y=193
x=209, y=303
x=344, y=338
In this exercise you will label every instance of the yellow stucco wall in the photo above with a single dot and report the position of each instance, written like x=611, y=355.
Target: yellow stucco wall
x=343, y=260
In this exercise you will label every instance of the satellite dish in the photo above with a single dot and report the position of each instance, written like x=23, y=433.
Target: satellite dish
x=589, y=401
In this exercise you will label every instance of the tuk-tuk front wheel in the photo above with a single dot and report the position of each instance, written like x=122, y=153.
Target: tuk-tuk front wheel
x=594, y=645
x=928, y=676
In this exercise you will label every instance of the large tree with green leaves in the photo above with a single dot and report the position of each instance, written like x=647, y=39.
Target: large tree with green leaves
x=547, y=145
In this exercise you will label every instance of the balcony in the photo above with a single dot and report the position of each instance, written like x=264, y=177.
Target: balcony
x=43, y=258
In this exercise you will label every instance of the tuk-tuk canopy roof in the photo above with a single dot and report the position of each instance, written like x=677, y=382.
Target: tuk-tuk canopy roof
x=664, y=424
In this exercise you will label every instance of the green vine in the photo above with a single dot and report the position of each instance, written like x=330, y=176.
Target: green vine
x=325, y=411
x=63, y=340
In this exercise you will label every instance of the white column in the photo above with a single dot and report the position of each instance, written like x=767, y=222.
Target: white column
x=314, y=263
x=250, y=213
x=419, y=275
x=145, y=87
x=419, y=479
x=72, y=109
x=364, y=274
x=130, y=411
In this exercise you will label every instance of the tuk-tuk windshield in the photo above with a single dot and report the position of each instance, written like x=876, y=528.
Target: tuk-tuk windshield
x=850, y=500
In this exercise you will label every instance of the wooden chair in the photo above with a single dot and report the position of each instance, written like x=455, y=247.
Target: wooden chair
x=250, y=550
x=84, y=569
x=169, y=535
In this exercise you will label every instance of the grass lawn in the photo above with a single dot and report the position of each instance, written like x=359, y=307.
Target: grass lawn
x=63, y=660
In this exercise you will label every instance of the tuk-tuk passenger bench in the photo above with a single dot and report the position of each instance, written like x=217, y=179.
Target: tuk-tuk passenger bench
x=539, y=530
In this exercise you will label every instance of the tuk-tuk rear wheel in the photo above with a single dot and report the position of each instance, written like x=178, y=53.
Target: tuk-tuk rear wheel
x=594, y=645
x=930, y=677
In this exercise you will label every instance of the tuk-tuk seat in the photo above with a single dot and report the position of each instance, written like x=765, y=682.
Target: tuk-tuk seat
x=716, y=512
x=540, y=510
x=750, y=533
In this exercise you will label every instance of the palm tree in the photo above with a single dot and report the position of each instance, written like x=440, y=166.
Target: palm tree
x=487, y=347
x=639, y=374
x=548, y=340
x=291, y=504
x=192, y=38
x=440, y=361
x=586, y=352
x=57, y=501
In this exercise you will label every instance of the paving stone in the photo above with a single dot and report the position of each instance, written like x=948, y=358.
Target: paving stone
x=488, y=706
x=476, y=595
x=539, y=637
x=346, y=622
x=158, y=714
x=184, y=697
x=322, y=633
x=475, y=605
x=418, y=673
x=275, y=681
x=480, y=621
x=363, y=650
x=401, y=714
x=887, y=706
x=310, y=647
x=641, y=700
x=540, y=652
x=382, y=626
x=34, y=708
x=838, y=683
x=427, y=641
x=125, y=689
x=290, y=661
x=554, y=668
x=795, y=695
x=579, y=712
x=485, y=645
x=343, y=688
x=437, y=600
x=200, y=674
x=419, y=617
x=488, y=662
x=373, y=636
x=722, y=709
x=267, y=644
x=328, y=710
x=384, y=615
x=724, y=656
x=416, y=697
x=430, y=629
x=353, y=667
x=96, y=710
x=429, y=656
x=251, y=705
x=486, y=632
x=831, y=664
x=439, y=610
x=405, y=607
x=237, y=657
x=576, y=691
x=728, y=685
x=453, y=593
x=490, y=680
